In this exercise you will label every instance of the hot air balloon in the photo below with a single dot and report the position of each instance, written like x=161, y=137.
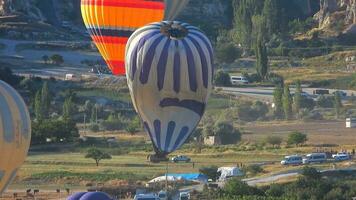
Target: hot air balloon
x=15, y=134
x=89, y=196
x=169, y=67
x=111, y=22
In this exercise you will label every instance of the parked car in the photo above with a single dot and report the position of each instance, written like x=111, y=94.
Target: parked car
x=181, y=158
x=341, y=156
x=341, y=93
x=146, y=197
x=292, y=160
x=315, y=158
x=184, y=196
x=321, y=92
x=162, y=195
x=238, y=80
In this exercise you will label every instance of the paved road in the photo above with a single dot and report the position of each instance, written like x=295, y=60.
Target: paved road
x=266, y=93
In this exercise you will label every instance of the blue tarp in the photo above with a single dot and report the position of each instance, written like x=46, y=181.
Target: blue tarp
x=191, y=177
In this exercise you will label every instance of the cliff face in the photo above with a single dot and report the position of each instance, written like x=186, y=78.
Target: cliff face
x=51, y=11
x=336, y=14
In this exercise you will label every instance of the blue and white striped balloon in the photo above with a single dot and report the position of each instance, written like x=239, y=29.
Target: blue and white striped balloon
x=169, y=67
x=15, y=134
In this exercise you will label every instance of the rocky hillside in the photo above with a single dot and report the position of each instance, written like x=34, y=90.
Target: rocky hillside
x=336, y=16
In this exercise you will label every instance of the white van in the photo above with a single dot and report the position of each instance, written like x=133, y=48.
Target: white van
x=292, y=160
x=315, y=158
x=146, y=197
x=238, y=80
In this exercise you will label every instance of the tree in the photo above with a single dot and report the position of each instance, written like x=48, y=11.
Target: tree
x=298, y=97
x=222, y=78
x=227, y=53
x=278, y=103
x=97, y=155
x=45, y=99
x=39, y=113
x=9, y=77
x=227, y=133
x=260, y=47
x=133, y=126
x=337, y=104
x=274, y=140
x=270, y=14
x=297, y=138
x=287, y=103
x=45, y=59
x=311, y=173
x=57, y=59
x=68, y=109
x=235, y=187
x=211, y=172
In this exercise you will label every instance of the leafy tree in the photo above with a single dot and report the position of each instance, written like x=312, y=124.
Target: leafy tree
x=298, y=97
x=235, y=187
x=252, y=112
x=45, y=99
x=133, y=126
x=227, y=53
x=68, y=109
x=97, y=155
x=45, y=59
x=7, y=76
x=94, y=115
x=311, y=173
x=227, y=133
x=278, y=102
x=324, y=101
x=254, y=169
x=211, y=172
x=222, y=78
x=57, y=59
x=337, y=104
x=271, y=16
x=297, y=138
x=287, y=103
x=39, y=112
x=274, y=140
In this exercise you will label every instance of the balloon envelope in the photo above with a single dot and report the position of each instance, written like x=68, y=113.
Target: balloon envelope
x=15, y=134
x=89, y=196
x=169, y=67
x=111, y=22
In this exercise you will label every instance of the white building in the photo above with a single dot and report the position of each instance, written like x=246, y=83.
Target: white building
x=350, y=122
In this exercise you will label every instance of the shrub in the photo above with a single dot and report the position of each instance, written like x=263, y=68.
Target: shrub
x=235, y=187
x=227, y=133
x=297, y=138
x=254, y=169
x=211, y=172
x=325, y=102
x=222, y=78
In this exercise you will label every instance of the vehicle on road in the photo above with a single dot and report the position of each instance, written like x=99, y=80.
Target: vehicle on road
x=162, y=195
x=238, y=80
x=146, y=197
x=340, y=93
x=184, y=196
x=315, y=158
x=321, y=92
x=181, y=158
x=292, y=160
x=341, y=156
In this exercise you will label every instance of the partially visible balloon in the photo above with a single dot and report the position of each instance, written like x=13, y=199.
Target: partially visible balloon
x=111, y=22
x=89, y=196
x=15, y=134
x=169, y=67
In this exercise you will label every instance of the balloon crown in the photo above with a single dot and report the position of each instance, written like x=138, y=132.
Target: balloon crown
x=174, y=30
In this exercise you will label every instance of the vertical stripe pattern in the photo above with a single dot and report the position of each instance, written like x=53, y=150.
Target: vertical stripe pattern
x=169, y=80
x=111, y=22
x=15, y=133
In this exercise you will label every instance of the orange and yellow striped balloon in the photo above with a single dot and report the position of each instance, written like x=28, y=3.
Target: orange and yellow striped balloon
x=111, y=22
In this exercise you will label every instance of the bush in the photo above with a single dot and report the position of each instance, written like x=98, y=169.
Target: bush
x=274, y=140
x=227, y=133
x=311, y=173
x=235, y=187
x=211, y=172
x=297, y=138
x=222, y=78
x=227, y=53
x=325, y=102
x=251, y=112
x=254, y=169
